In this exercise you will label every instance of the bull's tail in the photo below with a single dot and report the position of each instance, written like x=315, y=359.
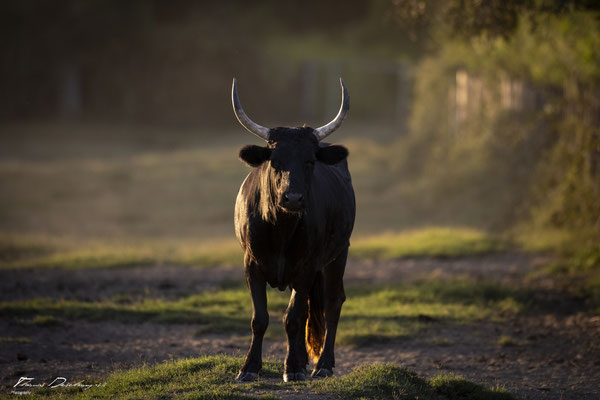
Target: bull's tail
x=315, y=325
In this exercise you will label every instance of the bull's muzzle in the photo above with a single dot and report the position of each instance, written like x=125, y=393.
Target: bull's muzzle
x=293, y=202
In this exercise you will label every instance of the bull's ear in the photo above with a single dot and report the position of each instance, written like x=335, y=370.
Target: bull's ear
x=332, y=154
x=254, y=155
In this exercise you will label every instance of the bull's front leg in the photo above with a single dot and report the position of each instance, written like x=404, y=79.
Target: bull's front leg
x=260, y=322
x=294, y=321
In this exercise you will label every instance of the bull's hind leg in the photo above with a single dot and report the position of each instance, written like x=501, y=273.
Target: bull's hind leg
x=302, y=353
x=294, y=321
x=334, y=298
x=260, y=322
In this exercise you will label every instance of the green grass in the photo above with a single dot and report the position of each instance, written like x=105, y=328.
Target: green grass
x=47, y=321
x=43, y=252
x=222, y=311
x=370, y=314
x=542, y=239
x=509, y=341
x=380, y=314
x=428, y=242
x=390, y=381
x=441, y=341
x=575, y=264
x=211, y=377
x=16, y=339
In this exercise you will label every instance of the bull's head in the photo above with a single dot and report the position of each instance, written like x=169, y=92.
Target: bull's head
x=291, y=153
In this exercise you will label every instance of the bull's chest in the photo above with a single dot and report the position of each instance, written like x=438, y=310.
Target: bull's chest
x=283, y=256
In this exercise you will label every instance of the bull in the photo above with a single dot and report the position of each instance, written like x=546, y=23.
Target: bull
x=294, y=215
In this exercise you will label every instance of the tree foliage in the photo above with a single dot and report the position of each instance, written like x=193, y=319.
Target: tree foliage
x=544, y=155
x=469, y=18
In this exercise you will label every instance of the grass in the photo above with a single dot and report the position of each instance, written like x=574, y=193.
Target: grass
x=380, y=314
x=370, y=314
x=15, y=339
x=576, y=259
x=211, y=377
x=222, y=311
x=47, y=321
x=428, y=242
x=44, y=252
x=390, y=381
x=509, y=341
x=441, y=341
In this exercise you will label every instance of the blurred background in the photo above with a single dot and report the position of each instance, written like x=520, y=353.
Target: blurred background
x=118, y=144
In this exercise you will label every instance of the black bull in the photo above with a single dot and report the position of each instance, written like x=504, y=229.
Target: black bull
x=294, y=215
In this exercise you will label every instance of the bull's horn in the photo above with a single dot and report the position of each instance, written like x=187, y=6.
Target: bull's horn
x=241, y=116
x=326, y=130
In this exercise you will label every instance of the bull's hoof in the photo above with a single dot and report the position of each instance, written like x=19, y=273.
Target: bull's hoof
x=322, y=373
x=294, y=376
x=246, y=377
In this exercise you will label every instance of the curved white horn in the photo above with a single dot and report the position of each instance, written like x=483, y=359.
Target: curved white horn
x=326, y=130
x=241, y=116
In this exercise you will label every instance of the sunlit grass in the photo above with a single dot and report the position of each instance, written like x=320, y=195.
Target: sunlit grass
x=509, y=341
x=370, y=314
x=42, y=252
x=47, y=321
x=15, y=339
x=22, y=251
x=221, y=311
x=212, y=377
x=575, y=262
x=379, y=314
x=543, y=239
x=390, y=381
x=429, y=242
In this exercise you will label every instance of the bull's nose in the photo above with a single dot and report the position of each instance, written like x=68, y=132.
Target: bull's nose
x=292, y=201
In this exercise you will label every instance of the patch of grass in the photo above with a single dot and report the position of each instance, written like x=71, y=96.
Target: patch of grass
x=199, y=378
x=455, y=387
x=47, y=321
x=389, y=381
x=89, y=258
x=509, y=341
x=17, y=339
x=441, y=341
x=40, y=252
x=371, y=314
x=380, y=314
x=122, y=298
x=506, y=341
x=576, y=262
x=15, y=252
x=542, y=240
x=222, y=311
x=212, y=377
x=14, y=248
x=430, y=242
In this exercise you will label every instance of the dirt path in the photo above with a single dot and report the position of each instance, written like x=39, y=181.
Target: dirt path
x=554, y=355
